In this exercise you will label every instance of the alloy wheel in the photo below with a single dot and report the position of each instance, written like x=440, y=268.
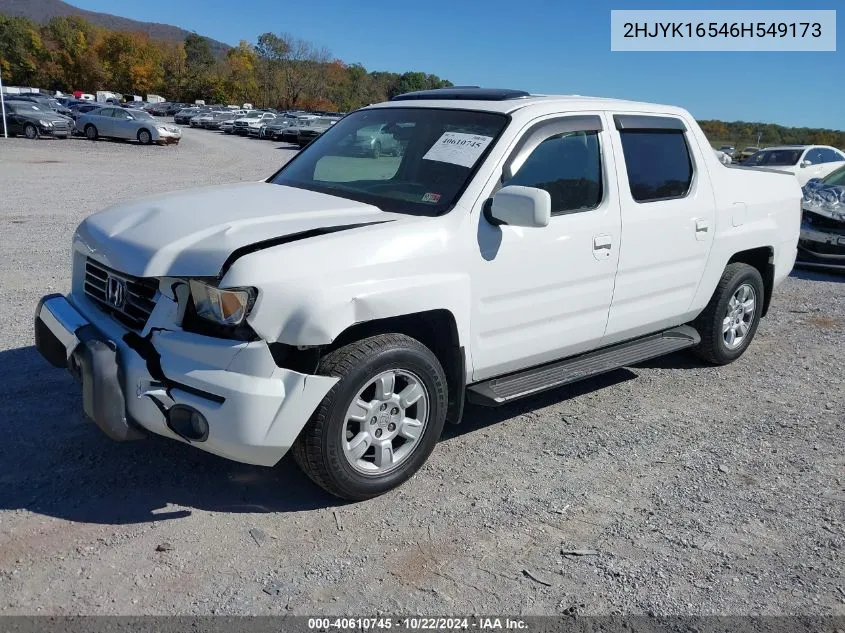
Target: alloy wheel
x=385, y=422
x=739, y=316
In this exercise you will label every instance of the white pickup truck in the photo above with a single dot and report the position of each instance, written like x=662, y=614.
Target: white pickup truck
x=346, y=307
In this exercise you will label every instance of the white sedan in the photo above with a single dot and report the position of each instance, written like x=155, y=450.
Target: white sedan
x=805, y=161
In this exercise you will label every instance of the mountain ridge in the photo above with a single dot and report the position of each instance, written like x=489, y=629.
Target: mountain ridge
x=42, y=11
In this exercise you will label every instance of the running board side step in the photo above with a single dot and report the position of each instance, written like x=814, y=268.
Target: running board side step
x=503, y=389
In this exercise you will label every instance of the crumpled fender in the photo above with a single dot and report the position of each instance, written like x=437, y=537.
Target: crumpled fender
x=312, y=290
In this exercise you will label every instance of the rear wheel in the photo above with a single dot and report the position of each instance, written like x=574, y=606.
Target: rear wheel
x=144, y=137
x=91, y=133
x=30, y=131
x=728, y=323
x=379, y=423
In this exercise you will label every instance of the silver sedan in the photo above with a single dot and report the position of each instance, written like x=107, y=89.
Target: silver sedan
x=113, y=122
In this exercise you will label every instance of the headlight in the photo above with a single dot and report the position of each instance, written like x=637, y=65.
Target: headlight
x=161, y=128
x=45, y=123
x=227, y=307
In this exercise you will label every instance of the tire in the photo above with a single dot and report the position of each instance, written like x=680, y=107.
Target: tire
x=321, y=448
x=377, y=150
x=91, y=133
x=723, y=311
x=145, y=137
x=30, y=131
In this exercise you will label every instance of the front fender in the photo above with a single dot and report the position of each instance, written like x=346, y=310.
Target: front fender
x=317, y=316
x=312, y=290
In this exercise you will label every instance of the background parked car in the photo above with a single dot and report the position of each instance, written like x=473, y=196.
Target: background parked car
x=290, y=134
x=273, y=129
x=80, y=108
x=47, y=102
x=746, y=153
x=227, y=126
x=241, y=125
x=312, y=129
x=159, y=109
x=183, y=117
x=373, y=141
x=214, y=121
x=805, y=161
x=33, y=120
x=114, y=122
x=822, y=240
x=254, y=128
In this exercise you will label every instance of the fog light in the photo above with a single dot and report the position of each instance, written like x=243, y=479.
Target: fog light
x=187, y=422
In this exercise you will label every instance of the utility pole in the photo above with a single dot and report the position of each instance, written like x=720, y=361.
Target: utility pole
x=3, y=106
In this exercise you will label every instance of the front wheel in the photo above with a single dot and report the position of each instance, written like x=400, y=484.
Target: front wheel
x=728, y=323
x=30, y=131
x=144, y=137
x=379, y=423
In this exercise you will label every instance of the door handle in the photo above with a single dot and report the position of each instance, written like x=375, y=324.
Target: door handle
x=702, y=226
x=602, y=245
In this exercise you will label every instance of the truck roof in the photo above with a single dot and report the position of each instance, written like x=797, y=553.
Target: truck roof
x=507, y=101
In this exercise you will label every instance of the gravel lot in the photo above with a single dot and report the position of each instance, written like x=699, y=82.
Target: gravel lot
x=686, y=489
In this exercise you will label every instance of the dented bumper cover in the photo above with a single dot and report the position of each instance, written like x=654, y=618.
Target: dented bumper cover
x=254, y=409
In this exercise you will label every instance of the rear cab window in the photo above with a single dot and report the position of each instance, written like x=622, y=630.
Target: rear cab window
x=658, y=160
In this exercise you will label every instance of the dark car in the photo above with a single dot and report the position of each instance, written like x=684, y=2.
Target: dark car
x=48, y=102
x=311, y=129
x=822, y=240
x=268, y=131
x=184, y=116
x=158, y=109
x=78, y=109
x=34, y=120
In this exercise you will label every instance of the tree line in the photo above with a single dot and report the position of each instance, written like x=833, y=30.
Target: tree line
x=742, y=134
x=278, y=70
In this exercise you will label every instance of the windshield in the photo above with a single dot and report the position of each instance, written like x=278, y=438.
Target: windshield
x=835, y=178
x=775, y=157
x=404, y=160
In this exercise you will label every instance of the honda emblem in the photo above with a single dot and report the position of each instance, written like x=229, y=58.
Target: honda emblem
x=115, y=292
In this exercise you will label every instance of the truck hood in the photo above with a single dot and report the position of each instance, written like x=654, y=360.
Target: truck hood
x=194, y=233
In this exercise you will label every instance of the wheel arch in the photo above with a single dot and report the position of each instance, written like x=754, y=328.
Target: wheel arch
x=762, y=258
x=437, y=329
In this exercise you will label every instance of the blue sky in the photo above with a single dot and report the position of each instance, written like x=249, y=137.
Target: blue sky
x=554, y=46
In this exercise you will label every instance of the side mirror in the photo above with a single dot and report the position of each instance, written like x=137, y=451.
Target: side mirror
x=806, y=163
x=521, y=206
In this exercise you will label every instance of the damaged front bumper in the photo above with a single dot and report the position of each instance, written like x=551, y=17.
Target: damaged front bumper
x=252, y=409
x=821, y=243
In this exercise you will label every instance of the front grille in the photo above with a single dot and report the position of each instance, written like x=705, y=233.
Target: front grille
x=140, y=294
x=823, y=222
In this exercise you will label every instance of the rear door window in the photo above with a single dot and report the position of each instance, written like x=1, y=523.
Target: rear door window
x=658, y=164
